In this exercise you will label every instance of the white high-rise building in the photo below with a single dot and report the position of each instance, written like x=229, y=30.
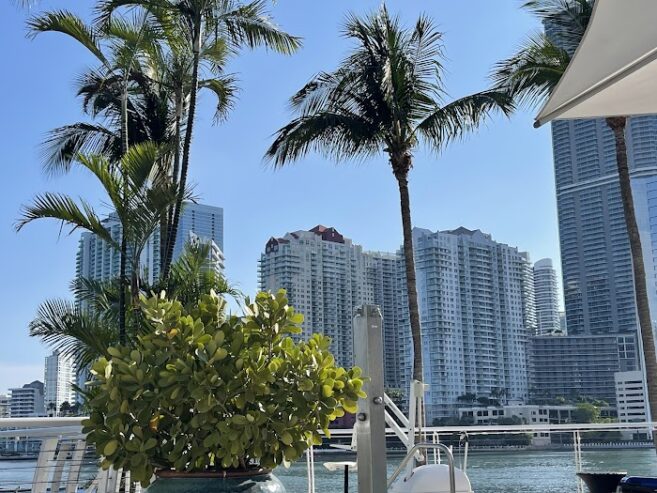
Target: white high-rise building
x=476, y=300
x=59, y=379
x=631, y=401
x=99, y=261
x=27, y=401
x=547, y=298
x=326, y=276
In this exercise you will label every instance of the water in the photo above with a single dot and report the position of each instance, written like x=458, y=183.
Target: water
x=490, y=472
x=496, y=472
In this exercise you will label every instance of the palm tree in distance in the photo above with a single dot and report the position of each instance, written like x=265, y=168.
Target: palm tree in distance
x=195, y=27
x=385, y=97
x=530, y=76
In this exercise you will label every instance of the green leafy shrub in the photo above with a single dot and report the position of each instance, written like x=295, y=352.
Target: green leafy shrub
x=202, y=391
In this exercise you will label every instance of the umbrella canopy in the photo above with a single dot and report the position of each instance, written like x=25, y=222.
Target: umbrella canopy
x=614, y=70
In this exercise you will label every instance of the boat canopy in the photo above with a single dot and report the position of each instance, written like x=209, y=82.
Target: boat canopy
x=614, y=70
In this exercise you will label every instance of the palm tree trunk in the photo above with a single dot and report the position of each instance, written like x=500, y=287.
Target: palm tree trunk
x=124, y=242
x=401, y=173
x=173, y=228
x=167, y=219
x=617, y=125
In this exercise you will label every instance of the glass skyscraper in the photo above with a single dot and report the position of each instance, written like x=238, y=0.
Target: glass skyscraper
x=595, y=251
x=99, y=261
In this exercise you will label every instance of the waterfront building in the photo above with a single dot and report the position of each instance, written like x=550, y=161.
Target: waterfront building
x=631, y=399
x=326, y=277
x=27, y=401
x=547, y=298
x=527, y=413
x=99, y=261
x=580, y=365
x=4, y=405
x=476, y=299
x=595, y=251
x=59, y=381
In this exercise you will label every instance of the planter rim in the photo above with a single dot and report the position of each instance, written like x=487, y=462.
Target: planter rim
x=220, y=474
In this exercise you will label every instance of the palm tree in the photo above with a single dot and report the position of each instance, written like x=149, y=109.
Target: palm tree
x=386, y=96
x=529, y=77
x=202, y=28
x=192, y=274
x=118, y=47
x=137, y=194
x=83, y=331
x=65, y=408
x=52, y=409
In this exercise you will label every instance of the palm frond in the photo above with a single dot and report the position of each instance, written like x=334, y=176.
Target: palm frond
x=65, y=209
x=70, y=24
x=193, y=273
x=215, y=52
x=225, y=90
x=105, y=9
x=63, y=144
x=80, y=336
x=250, y=25
x=110, y=180
x=140, y=163
x=454, y=120
x=533, y=72
x=565, y=21
x=338, y=136
x=101, y=297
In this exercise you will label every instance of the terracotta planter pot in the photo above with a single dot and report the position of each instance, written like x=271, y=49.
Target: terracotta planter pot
x=254, y=481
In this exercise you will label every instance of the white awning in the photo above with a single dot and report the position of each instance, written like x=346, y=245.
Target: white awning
x=614, y=70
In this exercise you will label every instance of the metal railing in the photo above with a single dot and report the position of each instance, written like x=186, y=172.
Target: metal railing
x=64, y=463
x=63, y=466
x=427, y=446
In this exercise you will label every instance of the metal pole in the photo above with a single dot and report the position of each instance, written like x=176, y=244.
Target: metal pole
x=346, y=479
x=370, y=420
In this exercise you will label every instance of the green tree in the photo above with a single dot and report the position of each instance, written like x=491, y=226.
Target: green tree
x=119, y=47
x=51, y=408
x=468, y=398
x=586, y=413
x=135, y=192
x=198, y=27
x=529, y=77
x=85, y=333
x=386, y=96
x=65, y=409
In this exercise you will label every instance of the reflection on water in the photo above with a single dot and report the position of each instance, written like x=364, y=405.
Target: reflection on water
x=490, y=472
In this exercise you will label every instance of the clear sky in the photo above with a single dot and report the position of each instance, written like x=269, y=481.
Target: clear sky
x=499, y=180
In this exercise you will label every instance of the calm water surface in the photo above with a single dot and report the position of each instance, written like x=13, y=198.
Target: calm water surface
x=499, y=472
x=489, y=472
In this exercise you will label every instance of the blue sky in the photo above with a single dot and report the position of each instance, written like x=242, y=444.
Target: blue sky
x=499, y=180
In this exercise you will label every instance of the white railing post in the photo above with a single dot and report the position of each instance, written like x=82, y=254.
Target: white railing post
x=370, y=421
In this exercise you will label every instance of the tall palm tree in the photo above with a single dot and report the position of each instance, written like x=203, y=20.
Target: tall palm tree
x=210, y=26
x=118, y=47
x=385, y=97
x=530, y=76
x=138, y=196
